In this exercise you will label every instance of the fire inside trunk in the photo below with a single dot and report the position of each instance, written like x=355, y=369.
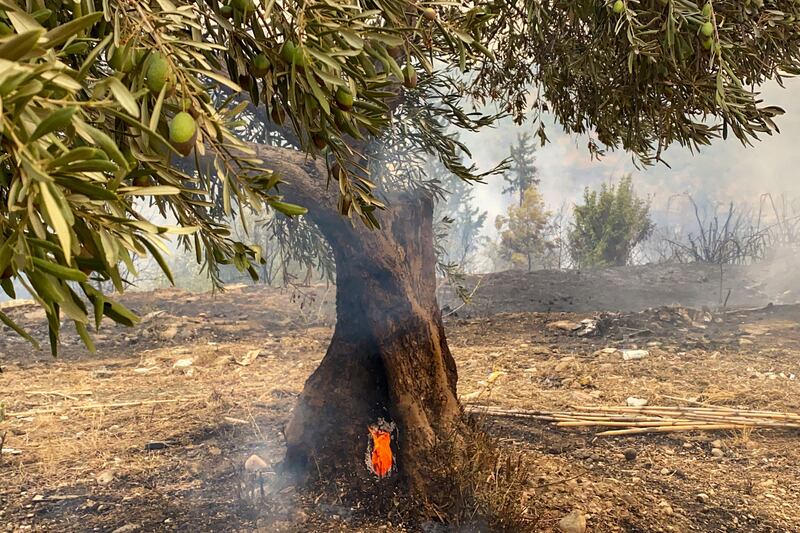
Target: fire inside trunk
x=380, y=456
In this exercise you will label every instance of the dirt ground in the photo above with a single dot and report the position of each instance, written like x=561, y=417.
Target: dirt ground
x=152, y=432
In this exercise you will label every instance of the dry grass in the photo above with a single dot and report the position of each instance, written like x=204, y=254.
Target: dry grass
x=519, y=476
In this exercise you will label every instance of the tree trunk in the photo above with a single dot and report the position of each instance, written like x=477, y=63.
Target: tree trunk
x=388, y=357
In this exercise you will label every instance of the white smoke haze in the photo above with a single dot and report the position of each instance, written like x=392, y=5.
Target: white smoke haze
x=721, y=173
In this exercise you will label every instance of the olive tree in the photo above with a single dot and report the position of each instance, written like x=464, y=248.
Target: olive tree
x=324, y=111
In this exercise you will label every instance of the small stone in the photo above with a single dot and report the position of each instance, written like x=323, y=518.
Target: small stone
x=105, y=477
x=665, y=471
x=702, y=497
x=169, y=333
x=183, y=366
x=717, y=444
x=127, y=528
x=716, y=452
x=563, y=325
x=574, y=522
x=255, y=463
x=634, y=355
x=633, y=401
x=630, y=454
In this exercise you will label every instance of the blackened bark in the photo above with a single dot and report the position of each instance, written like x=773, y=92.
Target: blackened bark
x=388, y=357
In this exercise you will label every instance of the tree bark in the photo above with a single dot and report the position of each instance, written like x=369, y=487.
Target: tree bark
x=388, y=357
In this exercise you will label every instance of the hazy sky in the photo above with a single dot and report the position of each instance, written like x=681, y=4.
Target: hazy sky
x=723, y=172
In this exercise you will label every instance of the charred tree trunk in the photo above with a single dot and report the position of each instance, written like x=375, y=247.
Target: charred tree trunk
x=388, y=357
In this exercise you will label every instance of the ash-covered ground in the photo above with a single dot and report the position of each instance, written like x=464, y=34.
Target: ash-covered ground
x=152, y=432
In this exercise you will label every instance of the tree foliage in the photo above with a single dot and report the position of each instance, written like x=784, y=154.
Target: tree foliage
x=522, y=172
x=609, y=224
x=90, y=93
x=462, y=219
x=522, y=231
x=646, y=77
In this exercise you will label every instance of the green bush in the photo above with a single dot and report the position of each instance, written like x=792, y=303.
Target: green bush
x=609, y=224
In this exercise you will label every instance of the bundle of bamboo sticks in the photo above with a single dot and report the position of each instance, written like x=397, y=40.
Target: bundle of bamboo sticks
x=652, y=419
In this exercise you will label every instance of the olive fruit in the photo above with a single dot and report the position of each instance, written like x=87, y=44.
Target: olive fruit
x=183, y=132
x=344, y=99
x=158, y=74
x=293, y=54
x=142, y=181
x=226, y=11
x=619, y=7
x=319, y=140
x=708, y=42
x=429, y=13
x=707, y=29
x=259, y=66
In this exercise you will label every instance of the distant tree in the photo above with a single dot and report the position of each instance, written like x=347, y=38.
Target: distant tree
x=461, y=221
x=609, y=224
x=522, y=172
x=522, y=231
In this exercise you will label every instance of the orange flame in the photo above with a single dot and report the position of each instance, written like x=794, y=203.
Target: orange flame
x=381, y=455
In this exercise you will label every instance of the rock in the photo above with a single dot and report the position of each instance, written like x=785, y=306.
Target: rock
x=630, y=454
x=633, y=355
x=563, y=325
x=127, y=528
x=150, y=446
x=633, y=401
x=249, y=357
x=105, y=477
x=716, y=452
x=183, y=366
x=102, y=373
x=255, y=463
x=605, y=351
x=574, y=522
x=716, y=444
x=588, y=328
x=702, y=497
x=169, y=333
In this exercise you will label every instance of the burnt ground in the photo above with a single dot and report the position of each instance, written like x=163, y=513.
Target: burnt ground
x=632, y=288
x=126, y=440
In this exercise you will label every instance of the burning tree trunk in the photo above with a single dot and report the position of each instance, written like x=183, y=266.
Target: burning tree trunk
x=388, y=358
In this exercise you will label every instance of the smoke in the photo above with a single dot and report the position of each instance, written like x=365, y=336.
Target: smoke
x=721, y=173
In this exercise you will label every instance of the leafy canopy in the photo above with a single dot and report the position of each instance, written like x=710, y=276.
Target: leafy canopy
x=522, y=231
x=91, y=148
x=609, y=224
x=656, y=73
